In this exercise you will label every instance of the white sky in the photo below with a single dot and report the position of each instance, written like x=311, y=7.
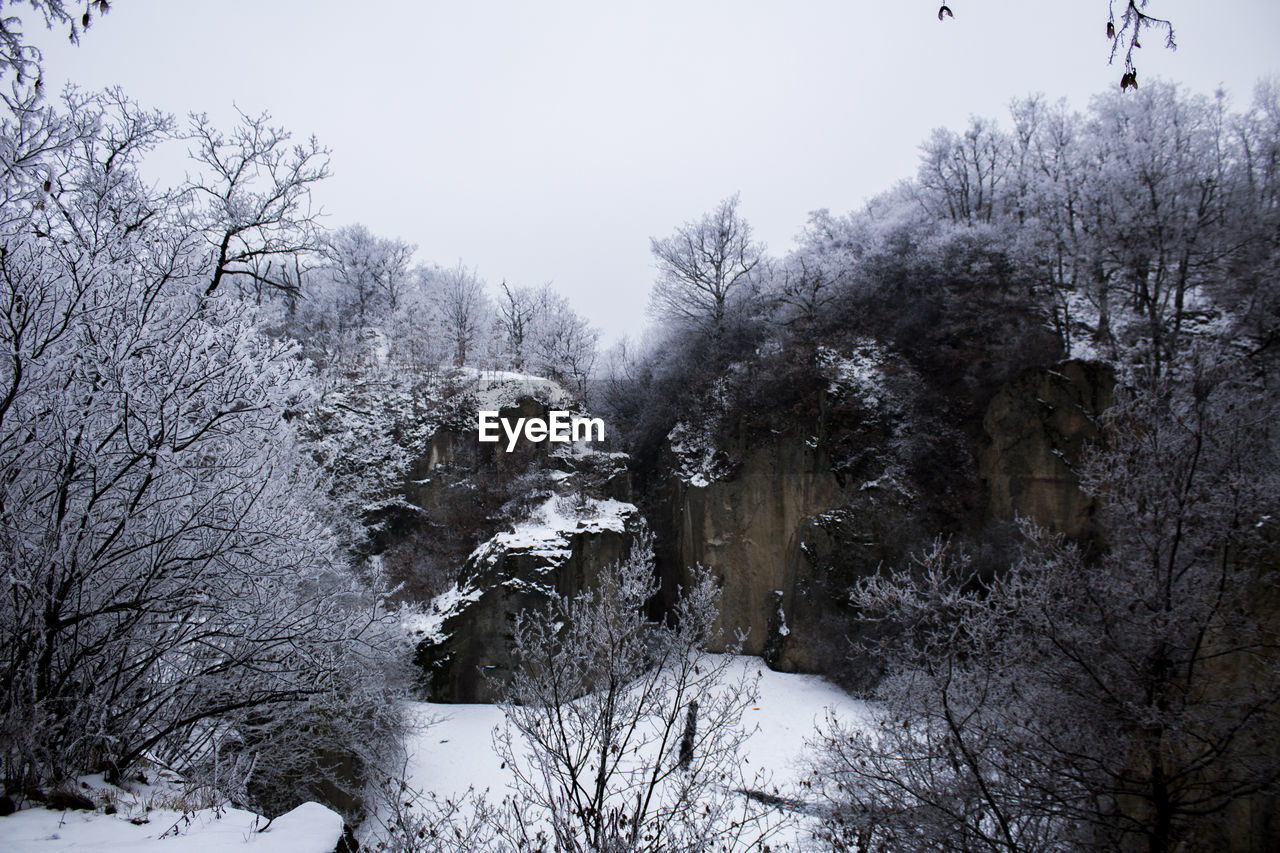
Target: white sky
x=547, y=141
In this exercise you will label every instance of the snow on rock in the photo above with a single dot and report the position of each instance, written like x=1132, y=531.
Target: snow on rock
x=429, y=626
x=500, y=389
x=860, y=373
x=310, y=828
x=463, y=644
x=547, y=531
x=545, y=534
x=698, y=461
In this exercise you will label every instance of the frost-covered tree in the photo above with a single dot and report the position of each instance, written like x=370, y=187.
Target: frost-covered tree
x=1137, y=226
x=169, y=579
x=252, y=197
x=1124, y=30
x=17, y=55
x=463, y=310
x=519, y=310
x=1163, y=195
x=806, y=289
x=372, y=272
x=563, y=344
x=960, y=175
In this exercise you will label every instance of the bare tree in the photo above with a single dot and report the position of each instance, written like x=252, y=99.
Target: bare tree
x=463, y=310
x=1134, y=21
x=23, y=58
x=518, y=313
x=703, y=267
x=960, y=174
x=372, y=271
x=807, y=288
x=1123, y=34
x=563, y=344
x=624, y=734
x=167, y=574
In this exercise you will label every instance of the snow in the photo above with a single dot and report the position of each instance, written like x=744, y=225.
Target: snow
x=310, y=828
x=583, y=449
x=786, y=717
x=430, y=625
x=452, y=749
x=861, y=372
x=1082, y=315
x=698, y=462
x=160, y=812
x=499, y=389
x=546, y=532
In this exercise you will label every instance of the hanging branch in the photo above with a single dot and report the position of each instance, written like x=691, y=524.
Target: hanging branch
x=1133, y=23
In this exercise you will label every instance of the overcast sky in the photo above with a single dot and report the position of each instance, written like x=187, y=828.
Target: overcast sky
x=547, y=141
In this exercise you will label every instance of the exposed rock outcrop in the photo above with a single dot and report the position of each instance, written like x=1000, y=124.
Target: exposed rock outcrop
x=1034, y=432
x=538, y=520
x=464, y=644
x=788, y=526
x=794, y=518
x=744, y=529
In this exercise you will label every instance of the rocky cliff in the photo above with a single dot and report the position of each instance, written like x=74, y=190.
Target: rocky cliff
x=787, y=524
x=464, y=641
x=1034, y=431
x=501, y=531
x=798, y=518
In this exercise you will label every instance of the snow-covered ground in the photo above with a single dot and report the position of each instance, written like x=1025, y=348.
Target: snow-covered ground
x=310, y=828
x=453, y=750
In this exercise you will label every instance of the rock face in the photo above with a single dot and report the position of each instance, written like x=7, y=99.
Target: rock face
x=498, y=530
x=464, y=645
x=745, y=530
x=788, y=531
x=1034, y=431
x=785, y=537
x=874, y=527
x=787, y=526
x=790, y=515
